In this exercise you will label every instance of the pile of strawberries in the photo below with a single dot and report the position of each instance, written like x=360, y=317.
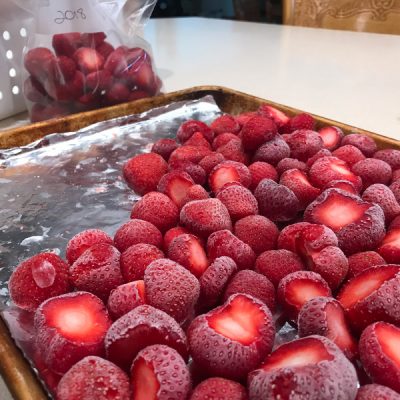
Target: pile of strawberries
x=83, y=73
x=245, y=225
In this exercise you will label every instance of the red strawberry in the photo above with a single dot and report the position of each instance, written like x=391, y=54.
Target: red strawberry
x=377, y=392
x=359, y=225
x=66, y=91
x=116, y=61
x=38, y=62
x=158, y=209
x=379, y=353
x=232, y=339
x=38, y=278
x=214, y=281
x=94, y=378
x=365, y=143
x=170, y=235
x=66, y=44
x=34, y=91
x=117, y=93
x=219, y=389
x=137, y=231
x=389, y=249
x=145, y=78
x=144, y=171
x=198, y=139
x=395, y=188
x=349, y=154
x=288, y=237
x=136, y=258
x=279, y=117
x=50, y=378
x=209, y=162
x=390, y=156
x=225, y=243
x=82, y=241
x=175, y=185
x=312, y=238
x=164, y=147
x=225, y=123
x=196, y=172
x=373, y=171
x=234, y=151
x=105, y=49
x=125, y=298
x=324, y=316
x=253, y=284
x=300, y=121
x=188, y=128
x=62, y=69
x=223, y=139
x=229, y=171
x=304, y=144
x=273, y=151
x=331, y=136
x=188, y=251
x=361, y=261
x=309, y=368
x=297, y=181
x=244, y=117
x=290, y=163
x=88, y=60
x=257, y=131
x=139, y=328
x=159, y=372
x=261, y=170
x=171, y=288
x=97, y=270
x=93, y=39
x=195, y=192
x=258, y=232
x=193, y=154
x=319, y=154
x=395, y=223
x=373, y=295
x=296, y=288
x=98, y=81
x=70, y=327
x=276, y=202
x=343, y=185
x=203, y=217
x=384, y=197
x=327, y=169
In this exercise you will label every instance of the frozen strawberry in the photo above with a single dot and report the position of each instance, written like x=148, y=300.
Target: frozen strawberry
x=223, y=139
x=139, y=328
x=34, y=91
x=66, y=91
x=188, y=251
x=310, y=368
x=390, y=156
x=373, y=171
x=379, y=353
x=209, y=162
x=395, y=188
x=105, y=49
x=232, y=339
x=331, y=136
x=66, y=44
x=219, y=389
x=225, y=123
x=144, y=171
x=136, y=258
x=304, y=144
x=175, y=185
x=373, y=295
x=203, y=217
x=171, y=288
x=196, y=172
x=171, y=234
x=98, y=81
x=82, y=241
x=319, y=154
x=350, y=154
x=88, y=60
x=159, y=372
x=273, y=151
x=62, y=69
x=193, y=154
x=324, y=316
x=296, y=288
x=389, y=249
x=297, y=181
x=214, y=281
x=288, y=237
x=164, y=147
x=239, y=201
x=49, y=377
x=384, y=197
x=343, y=185
x=395, y=223
x=290, y=163
x=198, y=139
x=94, y=378
x=158, y=209
x=117, y=93
x=125, y=298
x=276, y=202
x=195, y=192
x=188, y=128
x=38, y=278
x=145, y=78
x=70, y=327
x=225, y=243
x=312, y=238
x=258, y=232
x=38, y=62
x=300, y=121
x=257, y=131
x=229, y=171
x=244, y=117
x=361, y=261
x=327, y=169
x=376, y=392
x=279, y=117
x=366, y=144
x=137, y=231
x=97, y=270
x=261, y=170
x=234, y=151
x=116, y=61
x=359, y=225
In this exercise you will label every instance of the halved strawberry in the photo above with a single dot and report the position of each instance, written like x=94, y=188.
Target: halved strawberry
x=361, y=261
x=196, y=172
x=225, y=123
x=331, y=136
x=171, y=234
x=389, y=249
x=70, y=327
x=164, y=147
x=311, y=368
x=188, y=128
x=324, y=316
x=375, y=392
x=372, y=296
x=279, y=117
x=288, y=236
x=88, y=60
x=66, y=44
x=229, y=171
x=379, y=353
x=188, y=251
x=175, y=185
x=232, y=339
x=365, y=143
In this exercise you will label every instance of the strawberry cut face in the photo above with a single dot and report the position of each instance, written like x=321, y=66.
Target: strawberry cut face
x=300, y=291
x=389, y=340
x=146, y=385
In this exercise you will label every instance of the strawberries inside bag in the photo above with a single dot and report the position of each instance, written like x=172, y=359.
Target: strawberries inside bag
x=87, y=54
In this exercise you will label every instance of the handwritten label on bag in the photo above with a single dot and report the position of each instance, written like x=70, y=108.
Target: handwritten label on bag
x=69, y=15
